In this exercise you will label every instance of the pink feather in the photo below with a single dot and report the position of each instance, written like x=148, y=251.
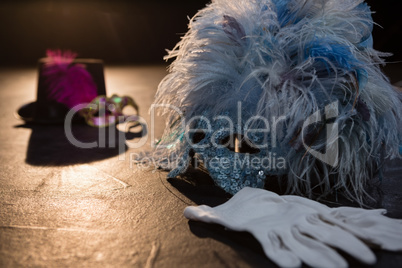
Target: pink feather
x=68, y=83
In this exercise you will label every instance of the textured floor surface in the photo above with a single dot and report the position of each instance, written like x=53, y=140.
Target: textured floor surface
x=64, y=206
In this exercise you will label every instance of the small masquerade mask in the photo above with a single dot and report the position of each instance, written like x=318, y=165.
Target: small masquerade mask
x=104, y=111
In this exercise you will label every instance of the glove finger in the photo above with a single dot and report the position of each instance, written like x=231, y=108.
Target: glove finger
x=384, y=232
x=338, y=238
x=370, y=225
x=276, y=251
x=202, y=213
x=312, y=252
x=212, y=215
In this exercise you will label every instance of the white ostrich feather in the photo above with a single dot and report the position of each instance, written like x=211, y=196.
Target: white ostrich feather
x=290, y=57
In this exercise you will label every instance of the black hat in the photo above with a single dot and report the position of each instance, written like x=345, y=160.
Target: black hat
x=47, y=110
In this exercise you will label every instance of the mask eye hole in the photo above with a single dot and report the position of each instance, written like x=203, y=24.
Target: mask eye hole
x=198, y=136
x=238, y=143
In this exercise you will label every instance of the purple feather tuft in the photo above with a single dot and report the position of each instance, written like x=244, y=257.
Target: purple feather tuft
x=68, y=83
x=233, y=29
x=363, y=110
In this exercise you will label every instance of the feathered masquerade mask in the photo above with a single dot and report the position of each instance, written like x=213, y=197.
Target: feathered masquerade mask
x=284, y=88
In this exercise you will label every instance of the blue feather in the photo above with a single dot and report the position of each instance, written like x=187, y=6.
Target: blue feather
x=337, y=54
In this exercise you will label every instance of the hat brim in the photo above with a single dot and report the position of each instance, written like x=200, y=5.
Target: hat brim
x=29, y=114
x=26, y=112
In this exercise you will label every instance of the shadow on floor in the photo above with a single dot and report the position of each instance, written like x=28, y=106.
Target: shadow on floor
x=51, y=145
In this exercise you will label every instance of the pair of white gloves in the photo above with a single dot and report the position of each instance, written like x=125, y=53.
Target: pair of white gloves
x=293, y=229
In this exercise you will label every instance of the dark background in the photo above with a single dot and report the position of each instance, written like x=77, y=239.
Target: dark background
x=129, y=32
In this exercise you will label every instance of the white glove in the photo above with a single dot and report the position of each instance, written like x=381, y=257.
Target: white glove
x=293, y=229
